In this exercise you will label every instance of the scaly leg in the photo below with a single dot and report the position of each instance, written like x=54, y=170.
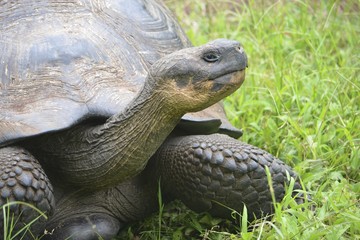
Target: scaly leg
x=22, y=179
x=203, y=170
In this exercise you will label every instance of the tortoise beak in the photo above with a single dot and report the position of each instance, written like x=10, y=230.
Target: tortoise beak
x=241, y=57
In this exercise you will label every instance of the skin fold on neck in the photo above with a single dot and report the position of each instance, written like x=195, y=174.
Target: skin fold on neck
x=107, y=154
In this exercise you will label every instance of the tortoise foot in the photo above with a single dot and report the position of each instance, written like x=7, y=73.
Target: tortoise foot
x=84, y=227
x=23, y=182
x=208, y=172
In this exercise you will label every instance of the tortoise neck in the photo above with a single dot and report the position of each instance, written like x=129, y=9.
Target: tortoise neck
x=105, y=155
x=137, y=133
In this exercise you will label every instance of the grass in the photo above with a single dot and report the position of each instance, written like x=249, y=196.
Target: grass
x=300, y=102
x=9, y=221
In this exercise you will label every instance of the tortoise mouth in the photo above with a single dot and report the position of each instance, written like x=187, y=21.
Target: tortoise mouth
x=232, y=79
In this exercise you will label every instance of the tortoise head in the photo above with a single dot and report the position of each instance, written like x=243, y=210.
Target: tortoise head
x=197, y=77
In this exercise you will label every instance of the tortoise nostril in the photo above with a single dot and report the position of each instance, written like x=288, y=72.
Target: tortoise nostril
x=240, y=49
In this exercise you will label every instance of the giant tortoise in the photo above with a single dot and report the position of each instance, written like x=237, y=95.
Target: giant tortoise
x=95, y=98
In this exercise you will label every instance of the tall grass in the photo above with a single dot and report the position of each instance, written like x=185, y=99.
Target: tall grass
x=300, y=102
x=12, y=225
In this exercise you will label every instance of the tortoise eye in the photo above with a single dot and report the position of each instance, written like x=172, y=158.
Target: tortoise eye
x=211, y=57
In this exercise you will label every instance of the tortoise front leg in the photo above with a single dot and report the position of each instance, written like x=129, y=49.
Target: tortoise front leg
x=22, y=179
x=204, y=170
